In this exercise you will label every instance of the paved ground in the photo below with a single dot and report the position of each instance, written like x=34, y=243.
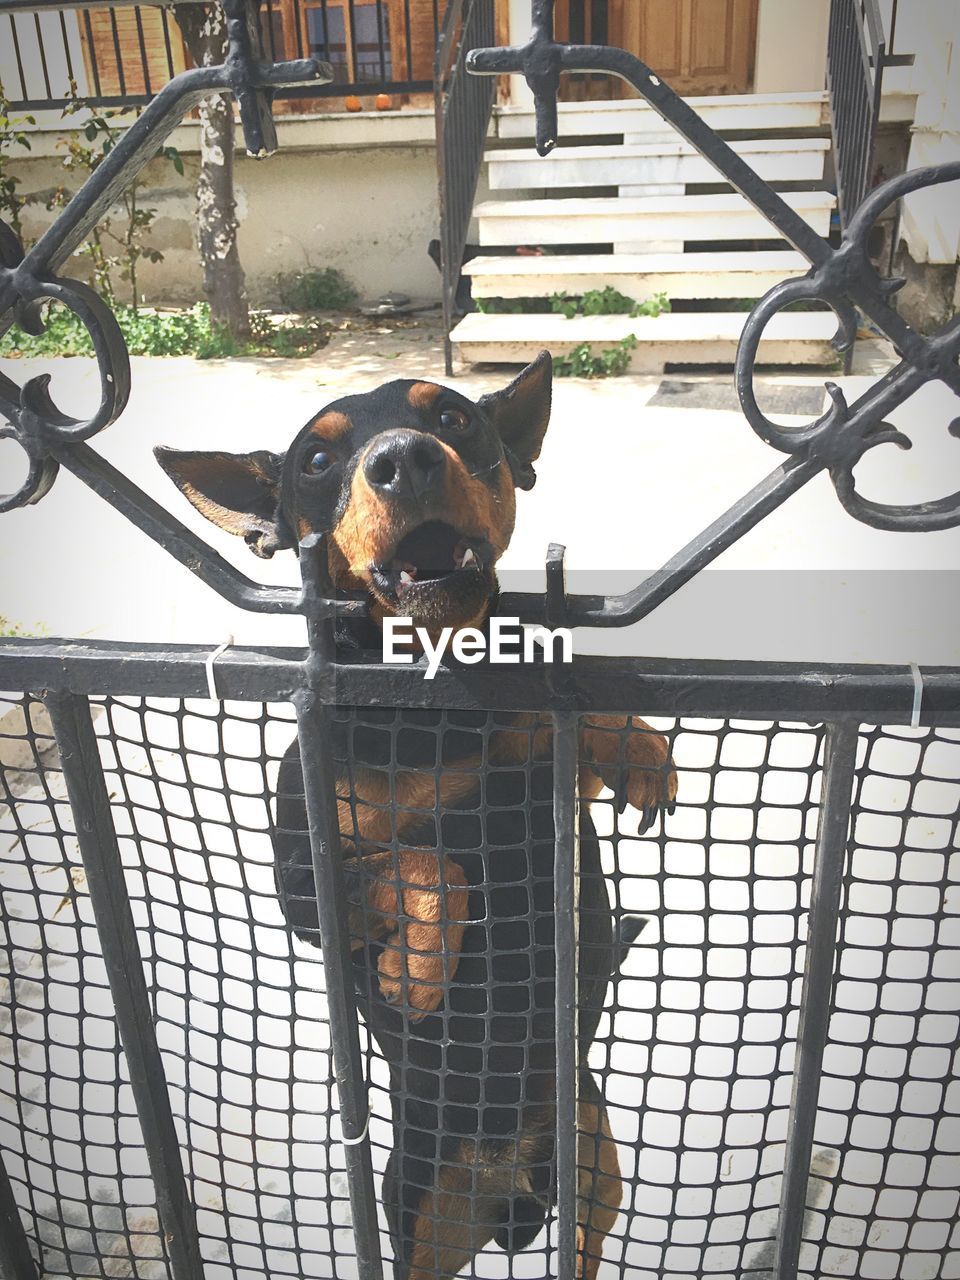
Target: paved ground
x=632, y=468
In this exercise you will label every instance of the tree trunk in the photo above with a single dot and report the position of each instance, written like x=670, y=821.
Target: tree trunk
x=205, y=33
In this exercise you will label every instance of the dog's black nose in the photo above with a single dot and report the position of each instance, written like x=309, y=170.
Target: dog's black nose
x=405, y=464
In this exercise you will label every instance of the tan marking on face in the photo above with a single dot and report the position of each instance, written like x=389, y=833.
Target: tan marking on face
x=424, y=395
x=366, y=534
x=371, y=527
x=331, y=425
x=476, y=506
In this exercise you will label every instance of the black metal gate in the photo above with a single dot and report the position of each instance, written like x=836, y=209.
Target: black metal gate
x=766, y=1124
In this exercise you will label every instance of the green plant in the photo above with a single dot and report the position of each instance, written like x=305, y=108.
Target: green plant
x=607, y=302
x=326, y=290
x=510, y=306
x=12, y=134
x=115, y=245
x=176, y=333
x=609, y=363
x=9, y=630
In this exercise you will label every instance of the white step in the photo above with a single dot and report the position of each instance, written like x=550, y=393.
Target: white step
x=665, y=218
x=670, y=161
x=794, y=337
x=632, y=117
x=678, y=275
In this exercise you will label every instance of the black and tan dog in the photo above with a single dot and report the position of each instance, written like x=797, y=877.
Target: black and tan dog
x=446, y=817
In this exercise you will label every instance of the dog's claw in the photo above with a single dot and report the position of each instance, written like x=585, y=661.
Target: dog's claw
x=620, y=797
x=648, y=818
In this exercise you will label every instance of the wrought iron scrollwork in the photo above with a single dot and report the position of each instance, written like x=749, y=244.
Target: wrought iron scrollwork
x=843, y=278
x=35, y=418
x=51, y=437
x=844, y=433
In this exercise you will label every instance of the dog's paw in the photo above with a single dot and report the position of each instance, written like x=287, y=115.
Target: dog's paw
x=648, y=780
x=412, y=983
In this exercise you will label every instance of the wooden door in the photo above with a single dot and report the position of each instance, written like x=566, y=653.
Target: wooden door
x=697, y=46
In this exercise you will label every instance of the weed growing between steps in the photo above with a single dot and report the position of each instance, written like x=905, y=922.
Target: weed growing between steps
x=609, y=363
x=608, y=302
x=513, y=306
x=581, y=362
x=595, y=302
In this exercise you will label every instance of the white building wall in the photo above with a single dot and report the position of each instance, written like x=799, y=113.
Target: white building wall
x=791, y=46
x=358, y=193
x=930, y=29
x=519, y=11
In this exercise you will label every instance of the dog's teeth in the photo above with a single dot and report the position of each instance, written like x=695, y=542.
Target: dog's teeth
x=405, y=578
x=468, y=558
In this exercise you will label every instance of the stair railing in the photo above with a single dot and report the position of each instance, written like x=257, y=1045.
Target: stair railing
x=858, y=50
x=463, y=105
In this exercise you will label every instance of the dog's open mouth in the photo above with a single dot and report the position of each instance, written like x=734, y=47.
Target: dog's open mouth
x=434, y=555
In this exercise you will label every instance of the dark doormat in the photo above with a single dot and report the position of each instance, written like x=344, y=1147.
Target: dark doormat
x=674, y=394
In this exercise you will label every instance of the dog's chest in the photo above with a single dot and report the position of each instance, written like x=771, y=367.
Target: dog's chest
x=466, y=782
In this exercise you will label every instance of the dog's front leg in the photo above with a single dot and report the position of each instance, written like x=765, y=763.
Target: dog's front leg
x=633, y=760
x=416, y=903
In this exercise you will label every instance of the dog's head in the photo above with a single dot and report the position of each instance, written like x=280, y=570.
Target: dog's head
x=412, y=484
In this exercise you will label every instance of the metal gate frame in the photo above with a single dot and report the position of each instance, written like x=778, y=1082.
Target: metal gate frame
x=841, y=696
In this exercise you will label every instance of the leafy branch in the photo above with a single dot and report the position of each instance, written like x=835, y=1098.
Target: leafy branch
x=12, y=134
x=116, y=245
x=607, y=302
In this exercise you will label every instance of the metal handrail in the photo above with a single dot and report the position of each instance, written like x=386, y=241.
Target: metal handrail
x=463, y=107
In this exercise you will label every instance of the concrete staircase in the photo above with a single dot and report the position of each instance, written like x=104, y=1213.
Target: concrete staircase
x=625, y=202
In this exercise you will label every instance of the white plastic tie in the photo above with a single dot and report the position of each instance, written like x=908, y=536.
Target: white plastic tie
x=917, y=695
x=208, y=667
x=352, y=1142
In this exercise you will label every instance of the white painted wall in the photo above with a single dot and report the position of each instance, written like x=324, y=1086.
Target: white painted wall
x=353, y=193
x=930, y=29
x=519, y=33
x=791, y=45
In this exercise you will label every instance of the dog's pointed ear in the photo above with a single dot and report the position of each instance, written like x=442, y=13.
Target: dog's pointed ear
x=521, y=413
x=239, y=492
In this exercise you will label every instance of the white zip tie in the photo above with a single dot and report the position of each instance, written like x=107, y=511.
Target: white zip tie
x=917, y=695
x=352, y=1142
x=208, y=667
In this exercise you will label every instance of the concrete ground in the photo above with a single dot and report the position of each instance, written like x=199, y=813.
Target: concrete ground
x=631, y=470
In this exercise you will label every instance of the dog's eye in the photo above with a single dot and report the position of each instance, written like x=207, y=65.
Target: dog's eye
x=454, y=419
x=317, y=463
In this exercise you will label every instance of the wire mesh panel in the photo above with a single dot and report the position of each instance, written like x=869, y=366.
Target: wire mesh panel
x=686, y=1052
